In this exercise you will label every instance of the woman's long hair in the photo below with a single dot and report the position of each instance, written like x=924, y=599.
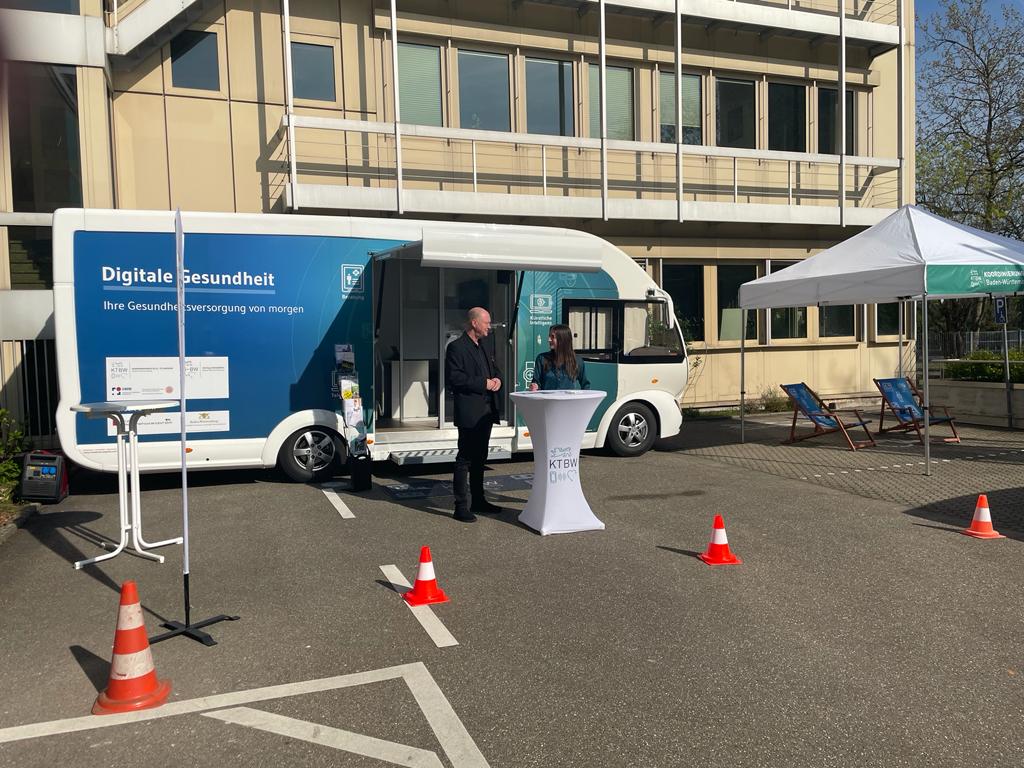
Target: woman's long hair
x=563, y=355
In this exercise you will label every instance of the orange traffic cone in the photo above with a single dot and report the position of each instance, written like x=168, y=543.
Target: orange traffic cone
x=133, y=684
x=718, y=552
x=981, y=525
x=425, y=591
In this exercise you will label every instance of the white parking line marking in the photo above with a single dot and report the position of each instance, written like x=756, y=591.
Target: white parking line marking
x=335, y=499
x=458, y=745
x=315, y=733
x=438, y=632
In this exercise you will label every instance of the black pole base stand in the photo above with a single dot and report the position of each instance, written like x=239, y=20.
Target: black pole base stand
x=191, y=630
x=188, y=629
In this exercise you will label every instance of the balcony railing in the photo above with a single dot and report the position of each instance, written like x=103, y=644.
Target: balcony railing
x=563, y=174
x=875, y=11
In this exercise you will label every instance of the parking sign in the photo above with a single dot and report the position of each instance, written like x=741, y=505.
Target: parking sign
x=1001, y=310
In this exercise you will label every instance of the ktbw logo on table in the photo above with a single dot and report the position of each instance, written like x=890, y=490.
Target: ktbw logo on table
x=563, y=465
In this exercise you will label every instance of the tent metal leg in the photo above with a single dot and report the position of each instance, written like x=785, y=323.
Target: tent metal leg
x=743, y=371
x=899, y=363
x=927, y=399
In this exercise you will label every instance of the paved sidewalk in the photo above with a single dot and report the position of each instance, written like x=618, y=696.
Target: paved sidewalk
x=988, y=460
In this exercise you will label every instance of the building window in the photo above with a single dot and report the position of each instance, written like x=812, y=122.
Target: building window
x=194, y=61
x=787, y=117
x=692, y=133
x=31, y=254
x=484, y=91
x=730, y=316
x=419, y=84
x=735, y=114
x=46, y=6
x=787, y=322
x=837, y=321
x=685, y=284
x=46, y=167
x=828, y=120
x=313, y=71
x=549, y=103
x=887, y=319
x=619, y=84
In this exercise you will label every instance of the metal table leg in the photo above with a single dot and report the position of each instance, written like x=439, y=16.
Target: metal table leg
x=122, y=497
x=138, y=542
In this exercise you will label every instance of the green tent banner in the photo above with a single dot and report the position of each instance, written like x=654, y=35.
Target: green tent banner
x=978, y=278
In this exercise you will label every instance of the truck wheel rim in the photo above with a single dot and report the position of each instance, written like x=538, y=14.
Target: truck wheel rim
x=313, y=450
x=633, y=430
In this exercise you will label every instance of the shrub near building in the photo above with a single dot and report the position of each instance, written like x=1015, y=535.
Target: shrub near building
x=985, y=365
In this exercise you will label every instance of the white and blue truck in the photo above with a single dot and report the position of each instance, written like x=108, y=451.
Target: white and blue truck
x=273, y=303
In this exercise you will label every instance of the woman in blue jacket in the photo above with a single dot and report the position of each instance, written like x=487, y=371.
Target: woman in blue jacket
x=560, y=368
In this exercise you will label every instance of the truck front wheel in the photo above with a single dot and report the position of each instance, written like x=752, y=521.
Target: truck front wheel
x=311, y=454
x=633, y=430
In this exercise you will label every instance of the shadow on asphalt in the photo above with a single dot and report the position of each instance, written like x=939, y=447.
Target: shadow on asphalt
x=687, y=552
x=959, y=510
x=509, y=515
x=721, y=433
x=654, y=496
x=97, y=669
x=56, y=530
x=86, y=482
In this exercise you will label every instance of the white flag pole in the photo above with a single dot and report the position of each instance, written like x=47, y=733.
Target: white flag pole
x=188, y=628
x=179, y=248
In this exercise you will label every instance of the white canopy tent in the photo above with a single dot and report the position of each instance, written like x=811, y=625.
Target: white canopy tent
x=910, y=255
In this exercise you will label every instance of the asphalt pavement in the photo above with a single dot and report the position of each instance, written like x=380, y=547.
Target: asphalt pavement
x=858, y=631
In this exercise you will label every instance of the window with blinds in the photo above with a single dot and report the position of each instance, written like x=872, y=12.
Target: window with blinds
x=621, y=122
x=593, y=328
x=419, y=84
x=692, y=133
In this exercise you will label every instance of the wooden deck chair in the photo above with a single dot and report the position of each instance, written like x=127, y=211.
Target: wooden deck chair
x=825, y=421
x=906, y=403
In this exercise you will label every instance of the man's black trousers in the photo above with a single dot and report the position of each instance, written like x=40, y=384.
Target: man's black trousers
x=469, y=465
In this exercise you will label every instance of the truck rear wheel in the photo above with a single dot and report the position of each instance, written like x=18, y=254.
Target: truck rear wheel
x=311, y=454
x=633, y=430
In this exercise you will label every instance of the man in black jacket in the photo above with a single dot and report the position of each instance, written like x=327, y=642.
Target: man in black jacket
x=473, y=378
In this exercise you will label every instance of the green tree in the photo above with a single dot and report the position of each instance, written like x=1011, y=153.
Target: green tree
x=970, y=137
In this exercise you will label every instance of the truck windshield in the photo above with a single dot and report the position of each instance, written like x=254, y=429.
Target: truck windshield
x=646, y=333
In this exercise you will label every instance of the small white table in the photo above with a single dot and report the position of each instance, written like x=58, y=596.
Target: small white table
x=128, y=494
x=557, y=420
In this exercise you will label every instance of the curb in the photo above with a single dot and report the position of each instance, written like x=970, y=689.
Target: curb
x=8, y=529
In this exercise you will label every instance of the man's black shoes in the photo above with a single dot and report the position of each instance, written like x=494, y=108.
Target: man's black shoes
x=486, y=508
x=465, y=517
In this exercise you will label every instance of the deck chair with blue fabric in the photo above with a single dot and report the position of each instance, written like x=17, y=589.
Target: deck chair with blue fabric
x=905, y=402
x=825, y=420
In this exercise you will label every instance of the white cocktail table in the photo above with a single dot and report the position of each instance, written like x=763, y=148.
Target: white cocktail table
x=125, y=416
x=557, y=420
